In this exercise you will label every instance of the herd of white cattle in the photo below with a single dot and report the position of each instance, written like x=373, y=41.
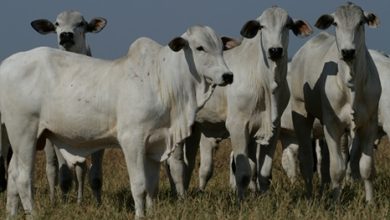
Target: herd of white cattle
x=161, y=103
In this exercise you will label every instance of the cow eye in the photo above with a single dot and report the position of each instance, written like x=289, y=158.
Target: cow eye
x=56, y=24
x=80, y=24
x=335, y=24
x=361, y=23
x=200, y=48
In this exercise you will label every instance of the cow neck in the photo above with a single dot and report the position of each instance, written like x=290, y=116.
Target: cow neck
x=356, y=73
x=357, y=77
x=178, y=85
x=264, y=76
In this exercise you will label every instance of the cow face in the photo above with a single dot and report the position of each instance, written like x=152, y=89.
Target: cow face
x=275, y=24
x=349, y=21
x=70, y=27
x=203, y=51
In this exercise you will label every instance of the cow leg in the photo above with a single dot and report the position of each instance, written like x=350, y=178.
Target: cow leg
x=51, y=168
x=81, y=170
x=242, y=170
x=5, y=157
x=175, y=167
x=207, y=148
x=322, y=153
x=65, y=174
x=23, y=138
x=336, y=160
x=253, y=152
x=12, y=192
x=366, y=162
x=303, y=129
x=133, y=148
x=264, y=161
x=96, y=174
x=190, y=151
x=289, y=155
x=3, y=181
x=152, y=169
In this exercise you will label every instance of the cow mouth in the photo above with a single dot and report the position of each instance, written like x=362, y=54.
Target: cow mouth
x=67, y=43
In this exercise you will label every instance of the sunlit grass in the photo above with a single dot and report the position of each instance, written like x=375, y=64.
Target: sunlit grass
x=283, y=201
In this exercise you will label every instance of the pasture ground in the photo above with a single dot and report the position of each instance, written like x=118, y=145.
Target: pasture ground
x=283, y=201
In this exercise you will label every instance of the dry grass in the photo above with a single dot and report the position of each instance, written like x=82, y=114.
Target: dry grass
x=283, y=201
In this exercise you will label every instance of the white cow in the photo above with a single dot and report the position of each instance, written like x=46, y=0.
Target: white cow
x=290, y=144
x=335, y=80
x=71, y=28
x=251, y=107
x=144, y=102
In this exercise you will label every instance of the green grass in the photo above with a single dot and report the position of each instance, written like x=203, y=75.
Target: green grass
x=283, y=201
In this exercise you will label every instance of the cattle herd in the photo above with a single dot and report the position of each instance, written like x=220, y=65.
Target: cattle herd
x=159, y=104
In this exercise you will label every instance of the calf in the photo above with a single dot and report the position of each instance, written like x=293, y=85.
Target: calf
x=334, y=79
x=71, y=28
x=145, y=103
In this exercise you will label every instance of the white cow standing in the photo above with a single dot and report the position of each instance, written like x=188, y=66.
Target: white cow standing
x=335, y=80
x=71, y=29
x=290, y=144
x=145, y=102
x=251, y=107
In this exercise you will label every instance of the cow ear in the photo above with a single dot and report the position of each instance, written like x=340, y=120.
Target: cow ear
x=229, y=43
x=43, y=26
x=371, y=19
x=301, y=28
x=96, y=25
x=324, y=22
x=250, y=29
x=177, y=44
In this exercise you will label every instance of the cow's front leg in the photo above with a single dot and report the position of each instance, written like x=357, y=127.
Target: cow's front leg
x=240, y=164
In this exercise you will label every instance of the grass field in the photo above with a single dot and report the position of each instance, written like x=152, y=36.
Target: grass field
x=283, y=201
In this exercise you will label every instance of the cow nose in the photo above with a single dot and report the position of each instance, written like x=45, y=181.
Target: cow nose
x=348, y=54
x=66, y=36
x=227, y=78
x=275, y=53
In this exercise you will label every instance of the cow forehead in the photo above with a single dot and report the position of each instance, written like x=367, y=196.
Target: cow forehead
x=274, y=16
x=204, y=36
x=70, y=17
x=349, y=14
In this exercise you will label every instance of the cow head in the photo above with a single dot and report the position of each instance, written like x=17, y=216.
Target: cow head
x=349, y=21
x=203, y=51
x=275, y=24
x=70, y=27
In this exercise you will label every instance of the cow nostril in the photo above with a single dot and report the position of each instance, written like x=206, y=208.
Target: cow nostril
x=227, y=78
x=348, y=54
x=275, y=52
x=66, y=35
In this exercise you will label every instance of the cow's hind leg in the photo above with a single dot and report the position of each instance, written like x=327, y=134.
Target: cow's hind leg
x=303, y=128
x=96, y=174
x=264, y=161
x=65, y=174
x=23, y=137
x=152, y=170
x=175, y=168
x=3, y=181
x=51, y=168
x=81, y=170
x=207, y=148
x=12, y=192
